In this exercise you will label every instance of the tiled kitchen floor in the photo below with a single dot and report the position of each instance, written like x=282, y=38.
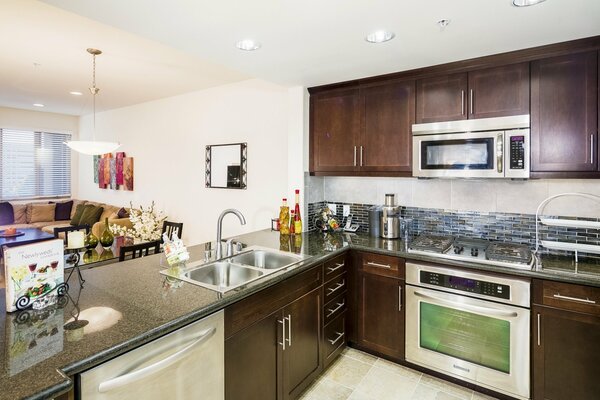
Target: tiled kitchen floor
x=360, y=376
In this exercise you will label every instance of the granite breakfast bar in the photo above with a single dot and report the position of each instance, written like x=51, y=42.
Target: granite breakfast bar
x=138, y=305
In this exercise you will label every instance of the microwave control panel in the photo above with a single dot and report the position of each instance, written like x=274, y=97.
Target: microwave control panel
x=517, y=152
x=468, y=285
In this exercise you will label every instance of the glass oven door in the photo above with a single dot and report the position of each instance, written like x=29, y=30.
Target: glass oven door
x=477, y=340
x=476, y=155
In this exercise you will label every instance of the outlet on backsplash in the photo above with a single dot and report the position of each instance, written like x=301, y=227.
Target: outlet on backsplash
x=333, y=208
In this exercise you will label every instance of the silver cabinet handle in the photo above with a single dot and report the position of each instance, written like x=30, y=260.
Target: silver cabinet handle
x=374, y=264
x=399, y=298
x=462, y=102
x=331, y=311
x=289, y=339
x=333, y=269
x=361, y=156
x=336, y=288
x=499, y=151
x=471, y=102
x=591, y=149
x=561, y=297
x=333, y=341
x=355, y=156
x=282, y=343
x=470, y=307
x=158, y=366
x=539, y=336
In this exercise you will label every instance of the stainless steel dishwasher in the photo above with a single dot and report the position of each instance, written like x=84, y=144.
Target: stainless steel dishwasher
x=185, y=364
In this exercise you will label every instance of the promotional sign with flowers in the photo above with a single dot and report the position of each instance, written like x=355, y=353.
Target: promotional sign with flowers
x=32, y=271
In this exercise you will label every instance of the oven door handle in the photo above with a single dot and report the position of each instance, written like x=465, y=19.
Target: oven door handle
x=471, y=307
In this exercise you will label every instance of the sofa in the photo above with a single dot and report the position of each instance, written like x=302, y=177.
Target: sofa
x=24, y=215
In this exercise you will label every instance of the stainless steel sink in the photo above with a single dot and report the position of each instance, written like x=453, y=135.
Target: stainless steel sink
x=223, y=274
x=266, y=259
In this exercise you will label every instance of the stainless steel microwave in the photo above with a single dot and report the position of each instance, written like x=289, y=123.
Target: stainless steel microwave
x=477, y=148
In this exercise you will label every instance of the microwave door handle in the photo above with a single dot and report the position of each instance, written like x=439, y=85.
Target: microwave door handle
x=152, y=369
x=470, y=307
x=500, y=152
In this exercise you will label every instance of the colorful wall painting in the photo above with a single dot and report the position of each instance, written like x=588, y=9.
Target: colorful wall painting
x=114, y=173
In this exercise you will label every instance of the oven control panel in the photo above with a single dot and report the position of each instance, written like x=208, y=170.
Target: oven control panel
x=468, y=285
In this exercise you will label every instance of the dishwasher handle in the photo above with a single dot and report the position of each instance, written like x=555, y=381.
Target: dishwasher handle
x=131, y=377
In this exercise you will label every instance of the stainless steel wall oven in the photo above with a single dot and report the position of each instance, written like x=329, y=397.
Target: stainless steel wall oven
x=473, y=326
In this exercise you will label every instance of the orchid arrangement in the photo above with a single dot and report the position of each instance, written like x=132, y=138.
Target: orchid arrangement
x=147, y=222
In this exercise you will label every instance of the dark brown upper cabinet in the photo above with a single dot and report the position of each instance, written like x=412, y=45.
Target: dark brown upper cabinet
x=364, y=130
x=386, y=121
x=485, y=93
x=335, y=127
x=499, y=92
x=564, y=113
x=442, y=98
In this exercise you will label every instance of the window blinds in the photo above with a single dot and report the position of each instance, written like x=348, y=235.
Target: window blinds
x=34, y=164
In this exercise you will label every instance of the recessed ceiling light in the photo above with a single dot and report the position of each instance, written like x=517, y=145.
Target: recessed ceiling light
x=526, y=3
x=248, y=45
x=38, y=105
x=76, y=93
x=379, y=36
x=443, y=23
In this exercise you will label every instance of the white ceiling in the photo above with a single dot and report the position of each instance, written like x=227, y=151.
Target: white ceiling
x=131, y=70
x=306, y=43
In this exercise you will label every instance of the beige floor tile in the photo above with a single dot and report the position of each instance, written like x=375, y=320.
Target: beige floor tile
x=398, y=369
x=327, y=389
x=424, y=392
x=356, y=395
x=450, y=388
x=481, y=396
x=348, y=372
x=382, y=384
x=359, y=355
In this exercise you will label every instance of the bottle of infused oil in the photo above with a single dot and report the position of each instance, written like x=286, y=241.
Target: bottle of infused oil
x=297, y=219
x=284, y=218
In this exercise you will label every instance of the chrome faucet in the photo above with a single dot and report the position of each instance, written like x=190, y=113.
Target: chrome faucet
x=220, y=227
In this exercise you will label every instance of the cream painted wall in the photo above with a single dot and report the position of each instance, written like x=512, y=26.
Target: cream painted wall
x=167, y=138
x=462, y=194
x=14, y=118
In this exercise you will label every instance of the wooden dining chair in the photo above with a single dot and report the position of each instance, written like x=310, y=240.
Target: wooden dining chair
x=170, y=227
x=71, y=228
x=139, y=250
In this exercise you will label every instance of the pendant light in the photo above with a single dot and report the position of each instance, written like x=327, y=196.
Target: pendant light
x=93, y=147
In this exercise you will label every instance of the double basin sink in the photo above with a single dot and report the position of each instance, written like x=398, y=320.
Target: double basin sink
x=238, y=270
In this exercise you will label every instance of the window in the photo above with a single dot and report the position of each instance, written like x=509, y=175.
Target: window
x=34, y=164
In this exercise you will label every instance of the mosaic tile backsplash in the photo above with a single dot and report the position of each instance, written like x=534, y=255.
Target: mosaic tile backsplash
x=518, y=228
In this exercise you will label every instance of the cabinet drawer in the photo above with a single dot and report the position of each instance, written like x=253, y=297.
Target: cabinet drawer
x=380, y=264
x=334, y=308
x=335, y=267
x=335, y=337
x=335, y=287
x=567, y=296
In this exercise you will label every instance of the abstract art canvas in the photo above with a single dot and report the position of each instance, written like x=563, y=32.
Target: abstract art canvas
x=96, y=164
x=119, y=173
x=114, y=172
x=128, y=173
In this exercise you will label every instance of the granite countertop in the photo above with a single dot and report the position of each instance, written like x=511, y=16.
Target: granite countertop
x=131, y=303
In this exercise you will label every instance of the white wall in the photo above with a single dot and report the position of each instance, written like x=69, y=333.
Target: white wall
x=167, y=139
x=465, y=195
x=13, y=118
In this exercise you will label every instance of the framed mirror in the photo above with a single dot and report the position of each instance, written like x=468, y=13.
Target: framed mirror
x=226, y=166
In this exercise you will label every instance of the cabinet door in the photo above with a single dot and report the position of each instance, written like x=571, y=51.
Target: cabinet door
x=335, y=127
x=567, y=355
x=442, y=98
x=564, y=112
x=380, y=315
x=301, y=357
x=389, y=112
x=499, y=92
x=252, y=361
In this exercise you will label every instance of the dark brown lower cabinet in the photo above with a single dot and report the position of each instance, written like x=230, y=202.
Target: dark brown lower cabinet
x=256, y=364
x=565, y=341
x=380, y=316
